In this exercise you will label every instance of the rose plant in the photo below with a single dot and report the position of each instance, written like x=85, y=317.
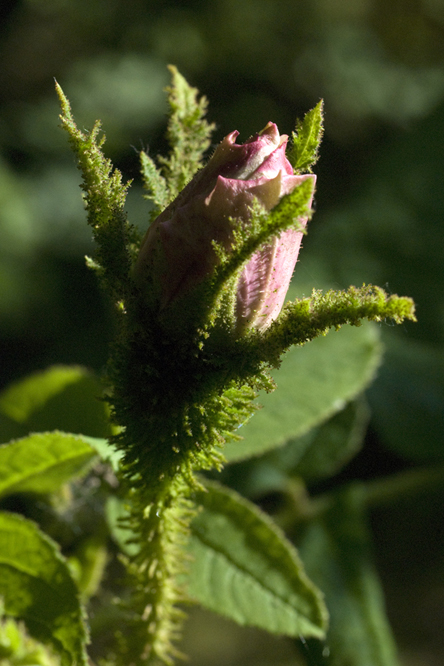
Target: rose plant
x=200, y=323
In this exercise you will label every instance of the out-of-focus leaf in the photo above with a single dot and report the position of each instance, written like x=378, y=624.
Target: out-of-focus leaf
x=62, y=397
x=42, y=462
x=20, y=400
x=244, y=567
x=334, y=443
x=337, y=554
x=88, y=565
x=318, y=454
x=314, y=382
x=105, y=450
x=17, y=648
x=115, y=512
x=408, y=400
x=37, y=587
x=111, y=87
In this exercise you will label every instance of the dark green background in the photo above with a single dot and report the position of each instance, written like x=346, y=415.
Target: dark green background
x=379, y=204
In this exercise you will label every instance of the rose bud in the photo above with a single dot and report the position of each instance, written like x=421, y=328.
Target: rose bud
x=178, y=251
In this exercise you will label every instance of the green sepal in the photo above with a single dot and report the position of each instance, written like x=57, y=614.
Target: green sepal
x=303, y=151
x=263, y=226
x=105, y=196
x=304, y=319
x=154, y=183
x=188, y=133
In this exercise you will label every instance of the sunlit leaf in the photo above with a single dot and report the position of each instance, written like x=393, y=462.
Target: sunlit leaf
x=37, y=587
x=105, y=450
x=244, y=567
x=42, y=462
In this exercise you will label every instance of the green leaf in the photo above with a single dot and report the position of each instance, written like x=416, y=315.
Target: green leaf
x=17, y=648
x=116, y=512
x=42, y=462
x=37, y=587
x=303, y=153
x=106, y=451
x=61, y=397
x=20, y=400
x=314, y=382
x=243, y=567
x=88, y=563
x=336, y=550
x=318, y=454
x=408, y=400
x=334, y=443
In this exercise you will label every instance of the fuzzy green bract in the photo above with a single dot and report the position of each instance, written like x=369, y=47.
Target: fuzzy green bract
x=306, y=138
x=181, y=380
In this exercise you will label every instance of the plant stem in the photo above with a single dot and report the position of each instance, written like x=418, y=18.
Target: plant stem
x=378, y=492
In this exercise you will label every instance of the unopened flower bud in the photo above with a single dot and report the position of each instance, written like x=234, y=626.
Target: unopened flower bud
x=178, y=251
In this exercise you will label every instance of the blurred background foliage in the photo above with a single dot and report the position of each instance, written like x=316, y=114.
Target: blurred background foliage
x=379, y=206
